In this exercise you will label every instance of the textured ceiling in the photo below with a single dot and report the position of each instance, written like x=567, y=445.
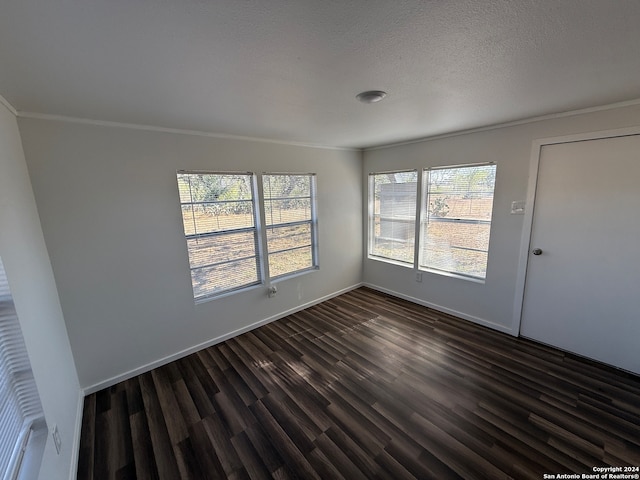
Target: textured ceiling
x=290, y=69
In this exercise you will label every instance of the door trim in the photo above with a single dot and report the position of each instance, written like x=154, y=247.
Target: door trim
x=527, y=226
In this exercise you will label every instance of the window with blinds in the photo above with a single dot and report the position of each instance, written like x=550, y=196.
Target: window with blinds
x=392, y=215
x=219, y=218
x=20, y=409
x=456, y=219
x=290, y=222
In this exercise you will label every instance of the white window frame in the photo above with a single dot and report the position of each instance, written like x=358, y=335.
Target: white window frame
x=424, y=219
x=410, y=220
x=312, y=222
x=255, y=230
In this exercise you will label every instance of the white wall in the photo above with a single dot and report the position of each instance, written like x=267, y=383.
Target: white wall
x=491, y=303
x=111, y=219
x=26, y=260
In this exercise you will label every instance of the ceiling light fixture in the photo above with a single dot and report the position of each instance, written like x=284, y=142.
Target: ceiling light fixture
x=371, y=96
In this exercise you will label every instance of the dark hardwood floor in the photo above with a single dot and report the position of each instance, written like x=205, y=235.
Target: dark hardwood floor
x=365, y=386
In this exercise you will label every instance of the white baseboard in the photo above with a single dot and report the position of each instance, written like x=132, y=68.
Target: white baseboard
x=75, y=447
x=440, y=308
x=188, y=351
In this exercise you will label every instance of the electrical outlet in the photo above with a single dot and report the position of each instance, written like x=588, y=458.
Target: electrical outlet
x=517, y=208
x=418, y=277
x=57, y=440
x=272, y=291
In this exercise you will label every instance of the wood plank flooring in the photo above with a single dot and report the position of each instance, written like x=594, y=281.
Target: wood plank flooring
x=364, y=386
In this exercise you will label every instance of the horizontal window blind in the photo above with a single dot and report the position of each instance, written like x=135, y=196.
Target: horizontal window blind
x=219, y=218
x=392, y=220
x=289, y=204
x=20, y=406
x=456, y=221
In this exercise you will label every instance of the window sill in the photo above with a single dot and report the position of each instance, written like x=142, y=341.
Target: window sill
x=209, y=298
x=391, y=261
x=215, y=296
x=299, y=273
x=481, y=281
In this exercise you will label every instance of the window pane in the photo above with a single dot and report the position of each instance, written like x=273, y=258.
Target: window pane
x=392, y=227
x=184, y=188
x=288, y=237
x=219, y=221
x=289, y=216
x=213, y=187
x=286, y=185
x=221, y=248
x=291, y=261
x=227, y=276
x=456, y=247
x=457, y=224
x=286, y=211
x=217, y=217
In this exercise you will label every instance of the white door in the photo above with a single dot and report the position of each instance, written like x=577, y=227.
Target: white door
x=582, y=290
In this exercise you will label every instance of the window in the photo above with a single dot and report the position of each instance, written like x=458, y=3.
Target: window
x=456, y=219
x=20, y=410
x=226, y=235
x=392, y=215
x=219, y=217
x=289, y=208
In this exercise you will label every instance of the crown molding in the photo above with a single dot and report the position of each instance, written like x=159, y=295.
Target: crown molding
x=197, y=133
x=5, y=103
x=224, y=136
x=524, y=121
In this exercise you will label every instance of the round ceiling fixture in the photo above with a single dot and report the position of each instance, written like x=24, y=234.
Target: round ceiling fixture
x=371, y=96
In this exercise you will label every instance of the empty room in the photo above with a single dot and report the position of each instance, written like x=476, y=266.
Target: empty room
x=299, y=239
